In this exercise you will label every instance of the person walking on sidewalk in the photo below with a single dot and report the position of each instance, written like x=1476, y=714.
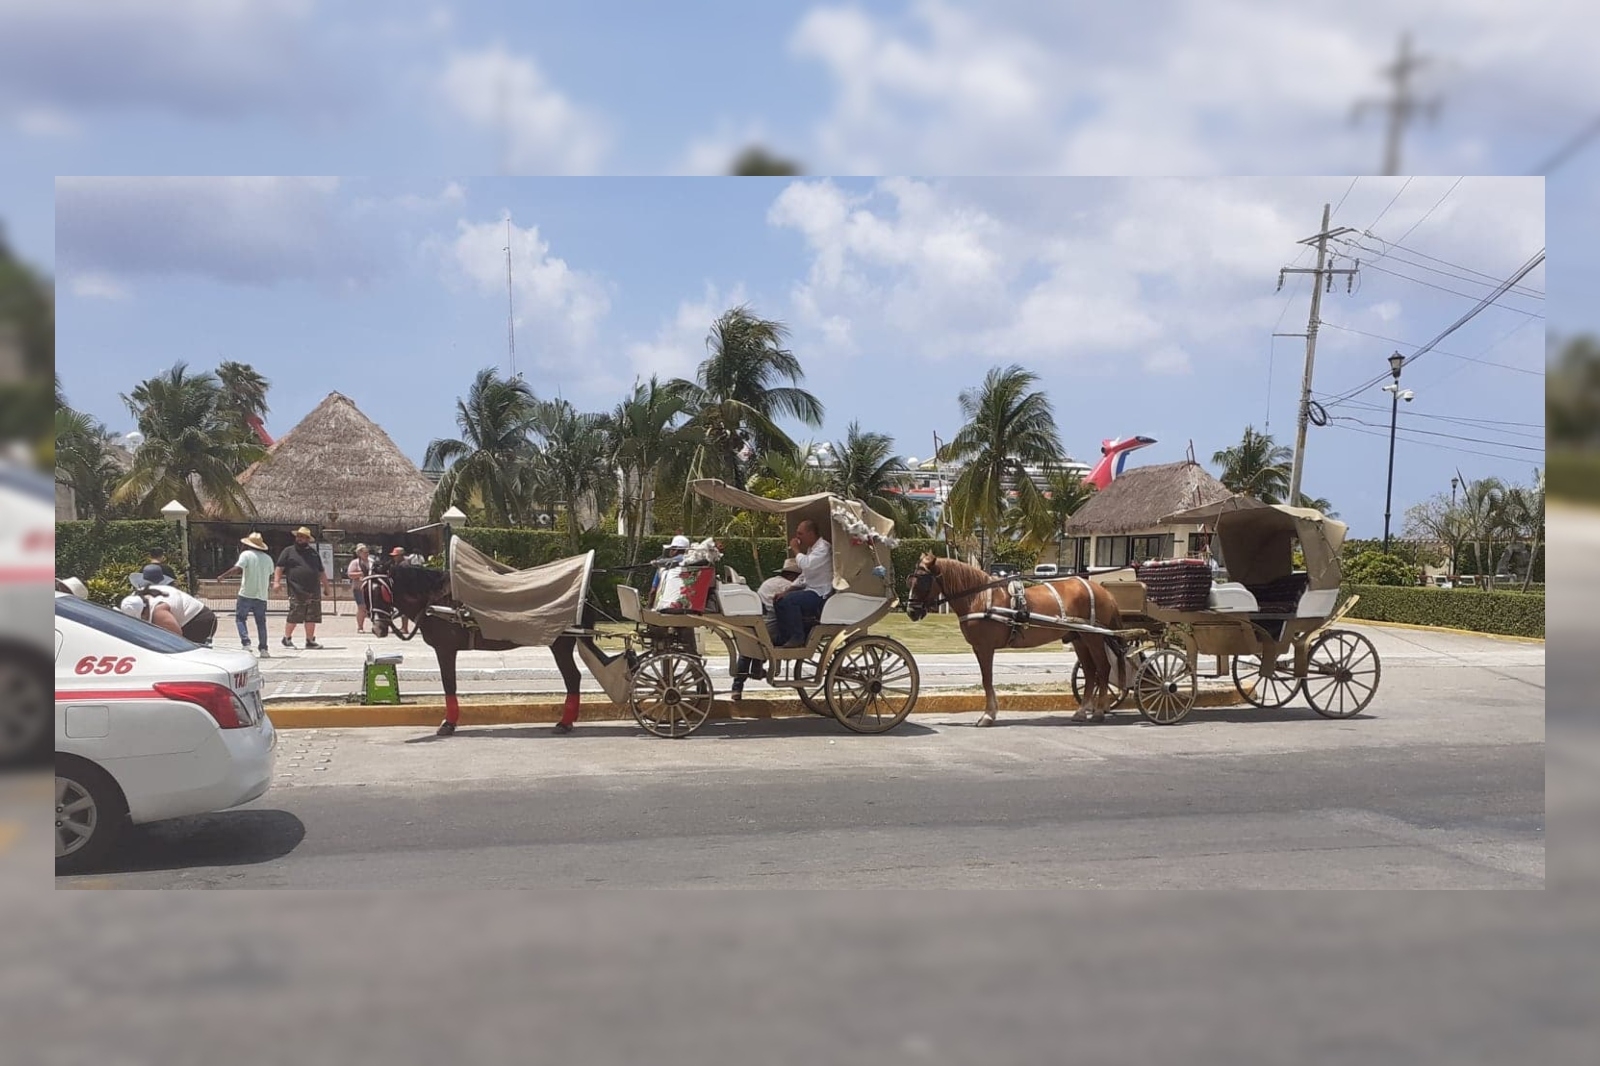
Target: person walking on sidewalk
x=300, y=565
x=254, y=568
x=358, y=571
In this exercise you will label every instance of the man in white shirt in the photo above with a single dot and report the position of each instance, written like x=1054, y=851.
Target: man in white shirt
x=770, y=589
x=172, y=609
x=814, y=556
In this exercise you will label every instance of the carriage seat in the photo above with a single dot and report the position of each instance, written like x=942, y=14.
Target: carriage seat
x=1282, y=595
x=1229, y=596
x=849, y=608
x=738, y=601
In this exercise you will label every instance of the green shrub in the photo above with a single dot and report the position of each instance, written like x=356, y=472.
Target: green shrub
x=1376, y=568
x=86, y=548
x=1518, y=614
x=1573, y=475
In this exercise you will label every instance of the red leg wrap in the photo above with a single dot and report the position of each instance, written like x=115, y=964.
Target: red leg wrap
x=452, y=710
x=569, y=714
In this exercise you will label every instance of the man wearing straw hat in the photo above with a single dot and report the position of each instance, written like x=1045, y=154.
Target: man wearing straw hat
x=255, y=571
x=301, y=566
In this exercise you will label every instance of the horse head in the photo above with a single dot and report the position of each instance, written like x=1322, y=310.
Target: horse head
x=923, y=581
x=406, y=591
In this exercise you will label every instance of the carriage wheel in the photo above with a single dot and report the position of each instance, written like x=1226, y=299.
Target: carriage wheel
x=1342, y=674
x=1164, y=687
x=871, y=684
x=1077, y=685
x=1260, y=689
x=815, y=701
x=670, y=694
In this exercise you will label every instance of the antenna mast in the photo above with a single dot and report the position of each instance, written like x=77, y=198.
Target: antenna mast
x=511, y=322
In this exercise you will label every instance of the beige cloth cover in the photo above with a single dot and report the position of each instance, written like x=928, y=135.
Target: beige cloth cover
x=531, y=607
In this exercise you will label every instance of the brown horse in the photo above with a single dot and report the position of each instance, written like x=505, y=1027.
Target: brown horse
x=970, y=591
x=408, y=591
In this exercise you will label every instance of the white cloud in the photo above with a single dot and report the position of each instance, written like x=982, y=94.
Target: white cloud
x=558, y=309
x=197, y=58
x=679, y=345
x=46, y=122
x=1226, y=86
x=244, y=231
x=99, y=287
x=541, y=130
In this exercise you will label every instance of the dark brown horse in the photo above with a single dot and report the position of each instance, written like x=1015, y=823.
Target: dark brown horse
x=969, y=591
x=406, y=592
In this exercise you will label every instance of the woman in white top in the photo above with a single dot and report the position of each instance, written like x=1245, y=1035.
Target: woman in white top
x=358, y=571
x=170, y=608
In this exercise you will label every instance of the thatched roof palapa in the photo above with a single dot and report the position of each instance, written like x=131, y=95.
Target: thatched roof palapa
x=339, y=460
x=1138, y=499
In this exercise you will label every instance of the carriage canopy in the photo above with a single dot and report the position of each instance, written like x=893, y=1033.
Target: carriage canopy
x=860, y=537
x=1257, y=539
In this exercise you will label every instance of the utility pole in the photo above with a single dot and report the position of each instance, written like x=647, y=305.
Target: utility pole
x=1321, y=272
x=511, y=320
x=1402, y=107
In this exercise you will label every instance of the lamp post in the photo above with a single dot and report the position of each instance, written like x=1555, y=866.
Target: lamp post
x=1396, y=362
x=178, y=515
x=451, y=518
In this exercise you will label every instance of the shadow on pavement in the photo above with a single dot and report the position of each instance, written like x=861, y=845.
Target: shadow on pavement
x=717, y=729
x=227, y=838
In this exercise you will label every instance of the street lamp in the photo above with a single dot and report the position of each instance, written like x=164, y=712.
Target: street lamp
x=178, y=515
x=452, y=517
x=1396, y=362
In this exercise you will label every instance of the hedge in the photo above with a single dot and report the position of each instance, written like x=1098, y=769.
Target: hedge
x=83, y=549
x=1517, y=614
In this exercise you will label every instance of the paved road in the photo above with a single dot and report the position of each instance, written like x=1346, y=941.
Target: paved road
x=1440, y=785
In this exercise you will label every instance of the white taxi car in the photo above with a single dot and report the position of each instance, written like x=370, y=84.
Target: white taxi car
x=148, y=726
x=27, y=565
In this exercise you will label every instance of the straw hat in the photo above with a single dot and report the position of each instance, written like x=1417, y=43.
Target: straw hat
x=360, y=548
x=789, y=567
x=303, y=532
x=255, y=541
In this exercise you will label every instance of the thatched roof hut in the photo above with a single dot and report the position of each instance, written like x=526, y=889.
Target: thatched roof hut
x=1139, y=498
x=338, y=461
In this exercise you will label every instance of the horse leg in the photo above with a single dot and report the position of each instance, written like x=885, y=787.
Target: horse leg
x=563, y=649
x=991, y=705
x=1086, y=700
x=447, y=676
x=1102, y=678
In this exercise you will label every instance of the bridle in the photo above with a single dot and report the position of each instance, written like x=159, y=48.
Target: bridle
x=385, y=612
x=923, y=580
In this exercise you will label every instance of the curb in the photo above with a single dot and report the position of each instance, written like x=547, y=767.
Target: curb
x=1442, y=629
x=537, y=711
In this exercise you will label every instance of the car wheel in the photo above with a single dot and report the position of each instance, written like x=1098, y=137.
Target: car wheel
x=90, y=815
x=27, y=708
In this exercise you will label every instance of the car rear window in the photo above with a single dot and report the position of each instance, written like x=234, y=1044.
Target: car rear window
x=115, y=624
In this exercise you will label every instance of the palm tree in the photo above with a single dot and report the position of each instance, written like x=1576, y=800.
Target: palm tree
x=1318, y=503
x=1524, y=515
x=736, y=399
x=1067, y=492
x=192, y=449
x=645, y=439
x=866, y=468
x=244, y=396
x=1256, y=467
x=575, y=464
x=493, y=458
x=84, y=463
x=1483, y=518
x=1009, y=426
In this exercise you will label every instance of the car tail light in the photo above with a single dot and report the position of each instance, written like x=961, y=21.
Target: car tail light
x=218, y=700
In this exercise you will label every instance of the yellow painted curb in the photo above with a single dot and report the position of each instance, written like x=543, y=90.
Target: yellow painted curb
x=1443, y=629
x=356, y=716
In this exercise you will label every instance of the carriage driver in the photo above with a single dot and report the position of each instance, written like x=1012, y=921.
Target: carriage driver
x=814, y=556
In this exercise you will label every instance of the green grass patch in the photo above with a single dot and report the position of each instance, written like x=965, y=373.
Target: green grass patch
x=1515, y=614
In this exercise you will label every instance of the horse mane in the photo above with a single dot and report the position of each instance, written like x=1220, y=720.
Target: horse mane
x=960, y=579
x=417, y=580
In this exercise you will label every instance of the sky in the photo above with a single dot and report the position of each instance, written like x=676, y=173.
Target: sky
x=1144, y=305
x=420, y=94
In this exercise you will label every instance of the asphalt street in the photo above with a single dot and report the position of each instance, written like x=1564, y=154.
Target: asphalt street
x=1439, y=784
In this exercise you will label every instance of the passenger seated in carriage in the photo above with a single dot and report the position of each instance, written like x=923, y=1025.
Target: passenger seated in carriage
x=800, y=605
x=769, y=591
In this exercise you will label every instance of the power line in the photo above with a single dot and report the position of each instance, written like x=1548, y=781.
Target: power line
x=1570, y=149
x=1447, y=262
x=1430, y=210
x=1452, y=355
x=1346, y=196
x=1463, y=275
x=1391, y=203
x=1522, y=272
x=1447, y=436
x=1428, y=444
x=1481, y=424
x=1445, y=288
